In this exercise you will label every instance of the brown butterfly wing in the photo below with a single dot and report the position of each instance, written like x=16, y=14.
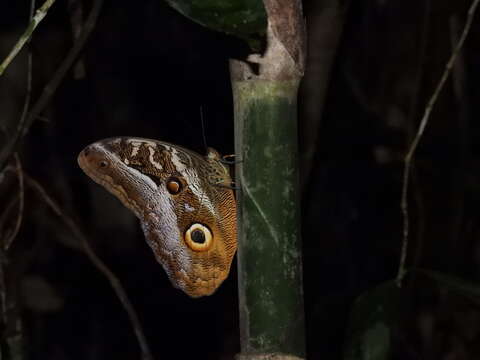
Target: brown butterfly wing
x=188, y=219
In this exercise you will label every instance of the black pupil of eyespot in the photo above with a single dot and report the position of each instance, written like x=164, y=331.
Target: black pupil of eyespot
x=103, y=163
x=198, y=236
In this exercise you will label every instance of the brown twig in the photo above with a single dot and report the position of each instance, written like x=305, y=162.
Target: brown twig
x=114, y=281
x=54, y=82
x=419, y=134
x=21, y=197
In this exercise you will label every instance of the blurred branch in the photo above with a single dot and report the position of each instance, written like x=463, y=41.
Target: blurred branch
x=13, y=321
x=3, y=290
x=26, y=104
x=325, y=21
x=54, y=82
x=114, y=281
x=39, y=15
x=7, y=208
x=75, y=9
x=419, y=134
x=28, y=93
x=18, y=169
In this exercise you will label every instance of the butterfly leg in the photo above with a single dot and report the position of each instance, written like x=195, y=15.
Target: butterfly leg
x=225, y=159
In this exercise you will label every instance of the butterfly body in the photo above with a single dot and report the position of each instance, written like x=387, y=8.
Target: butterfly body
x=183, y=200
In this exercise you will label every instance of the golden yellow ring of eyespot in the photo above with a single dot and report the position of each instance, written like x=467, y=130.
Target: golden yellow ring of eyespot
x=198, y=237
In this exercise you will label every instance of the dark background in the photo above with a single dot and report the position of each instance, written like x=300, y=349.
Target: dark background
x=147, y=72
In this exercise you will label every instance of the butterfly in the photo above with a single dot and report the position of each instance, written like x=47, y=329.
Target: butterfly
x=184, y=201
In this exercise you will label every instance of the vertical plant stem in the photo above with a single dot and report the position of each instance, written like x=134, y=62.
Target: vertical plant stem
x=269, y=256
x=272, y=324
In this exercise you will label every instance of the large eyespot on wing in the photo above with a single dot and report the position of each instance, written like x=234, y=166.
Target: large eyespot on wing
x=198, y=237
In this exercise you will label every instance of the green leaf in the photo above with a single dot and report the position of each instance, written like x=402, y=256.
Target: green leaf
x=372, y=320
x=375, y=314
x=452, y=283
x=245, y=19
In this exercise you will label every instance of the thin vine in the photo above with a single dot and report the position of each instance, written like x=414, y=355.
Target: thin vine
x=421, y=129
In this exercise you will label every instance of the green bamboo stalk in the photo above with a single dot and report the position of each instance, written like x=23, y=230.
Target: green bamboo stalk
x=269, y=254
x=269, y=249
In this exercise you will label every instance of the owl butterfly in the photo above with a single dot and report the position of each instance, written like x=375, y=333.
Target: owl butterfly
x=184, y=201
